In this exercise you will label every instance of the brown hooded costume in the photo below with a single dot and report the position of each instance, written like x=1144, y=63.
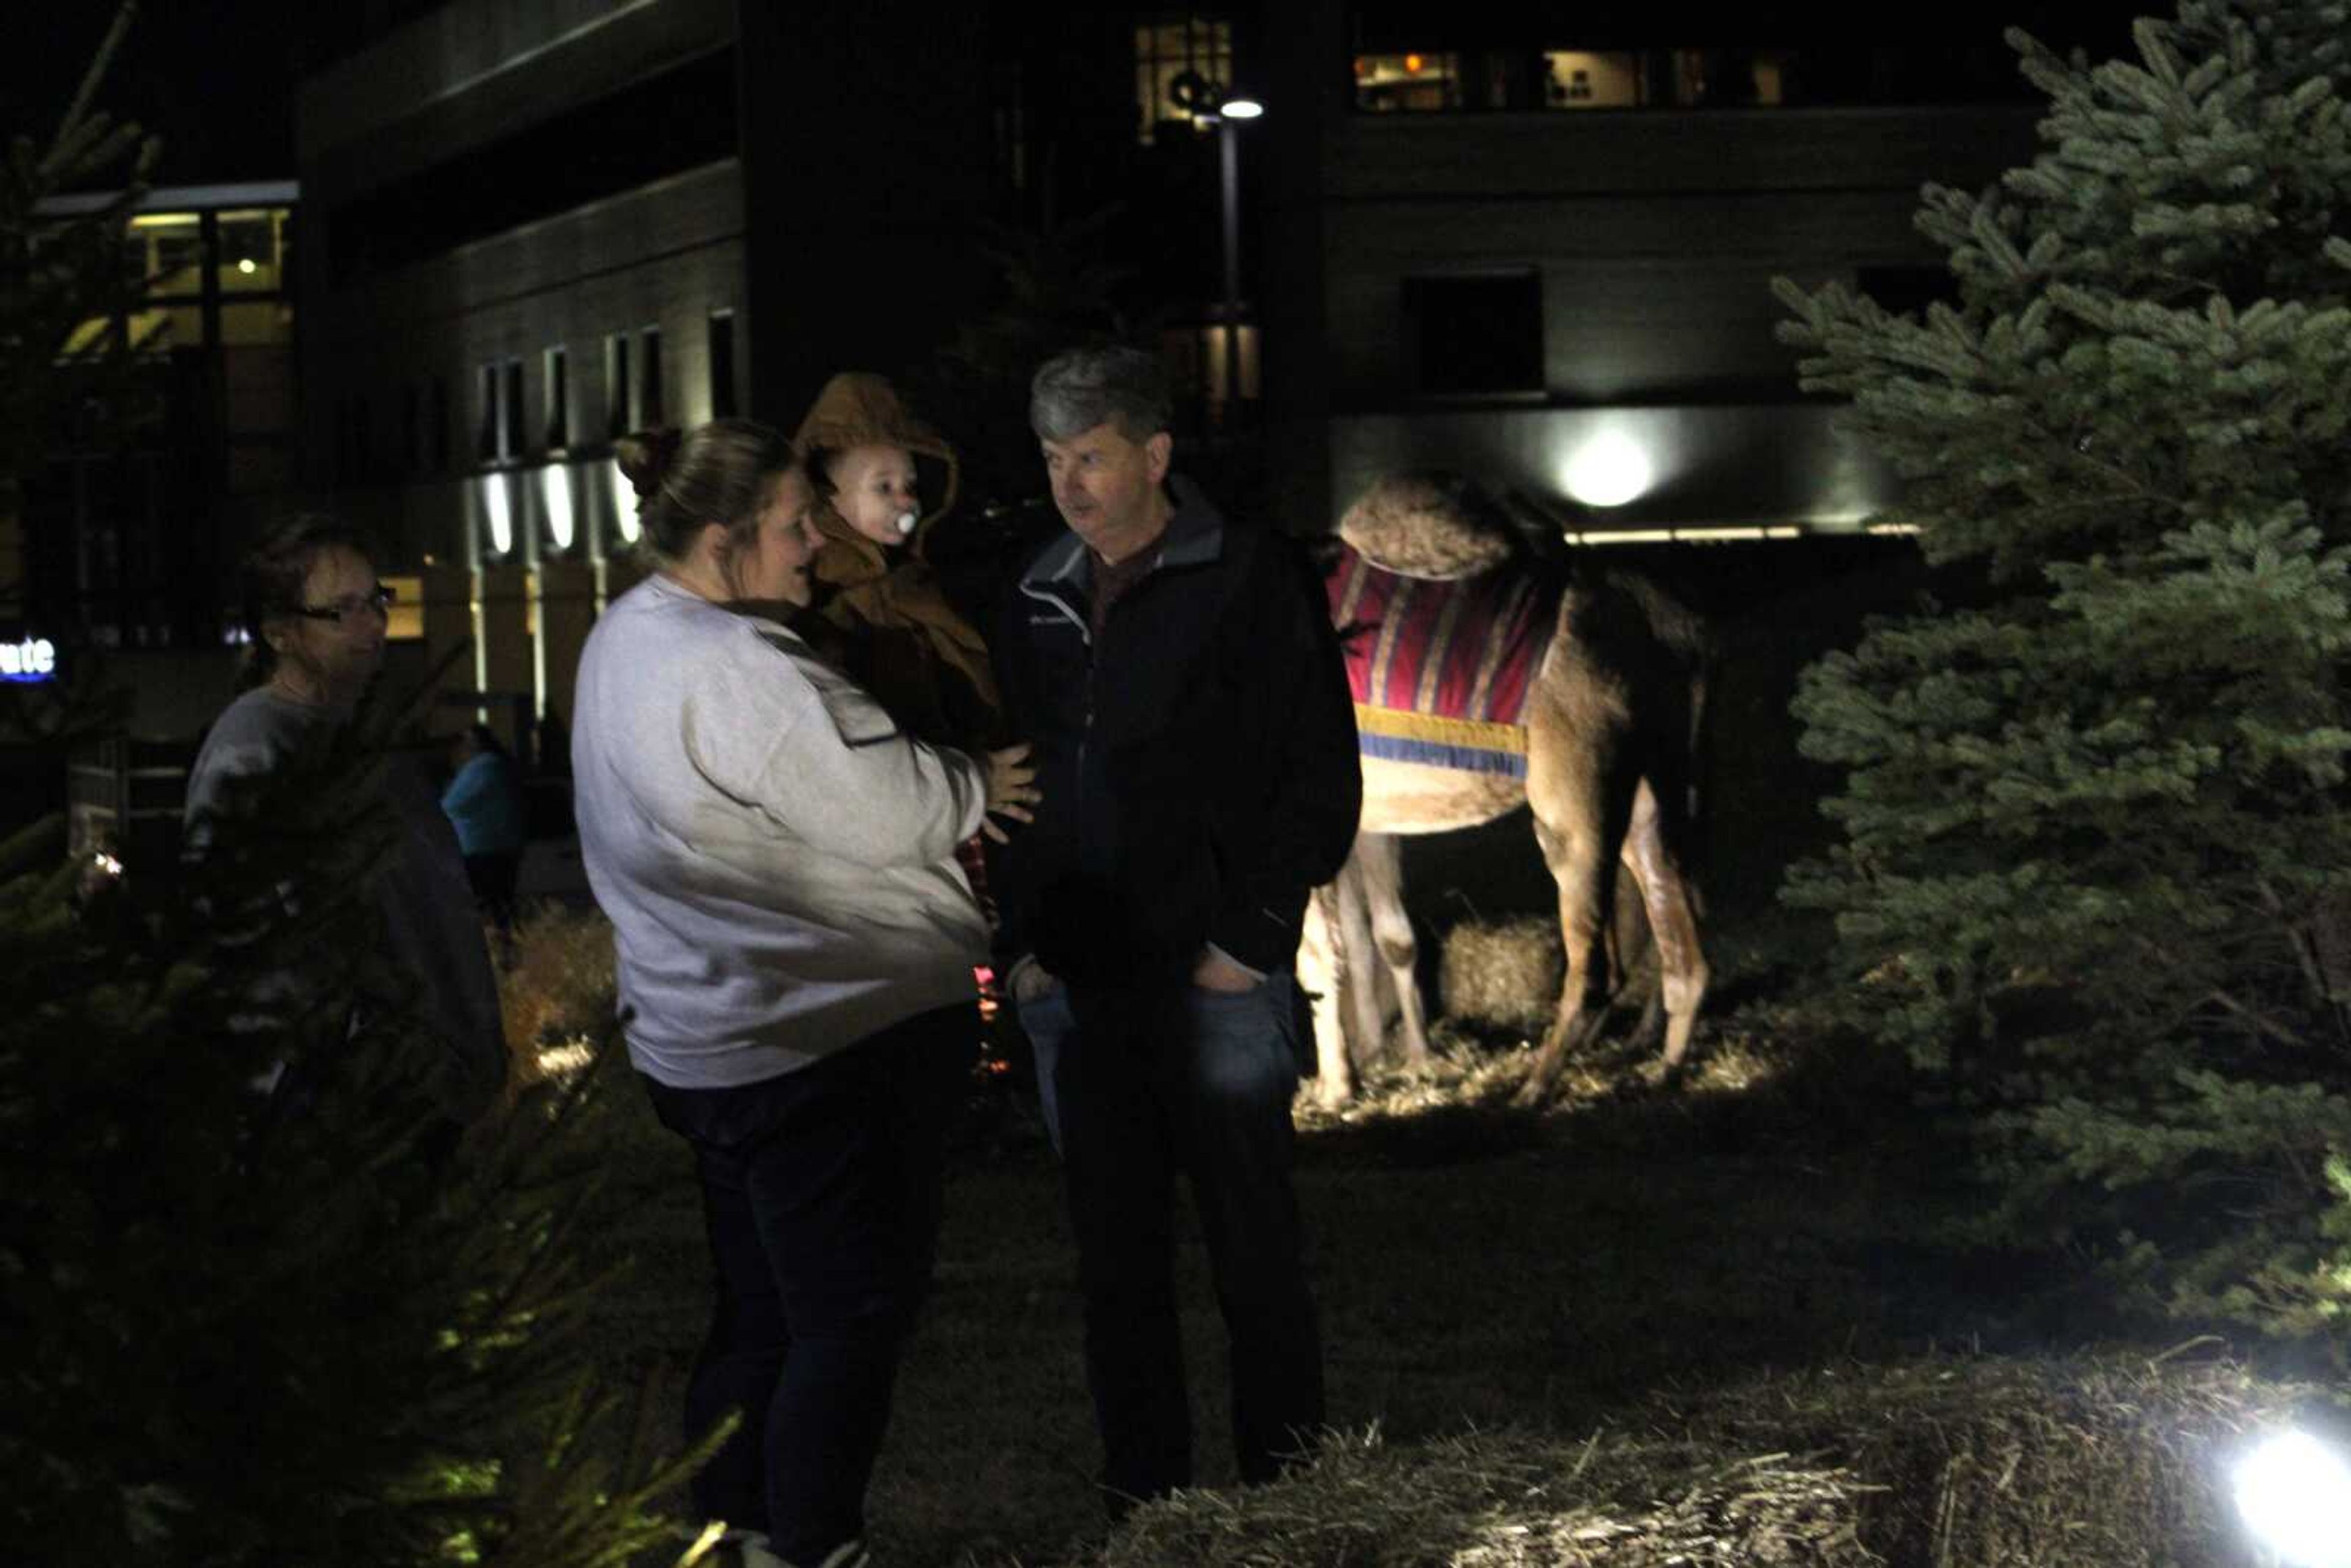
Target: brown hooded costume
x=901, y=638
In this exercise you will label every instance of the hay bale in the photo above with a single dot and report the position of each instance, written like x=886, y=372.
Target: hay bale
x=1501, y=975
x=2100, y=1461
x=2073, y=1462
x=1436, y=526
x=558, y=991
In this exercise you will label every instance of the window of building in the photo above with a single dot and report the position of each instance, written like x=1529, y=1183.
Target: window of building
x=1581, y=78
x=1477, y=333
x=404, y=618
x=510, y=410
x=485, y=440
x=722, y=364
x=557, y=387
x=252, y=250
x=617, y=388
x=1411, y=83
x=167, y=253
x=1167, y=49
x=651, y=405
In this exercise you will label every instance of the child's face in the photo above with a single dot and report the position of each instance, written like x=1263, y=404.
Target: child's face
x=874, y=491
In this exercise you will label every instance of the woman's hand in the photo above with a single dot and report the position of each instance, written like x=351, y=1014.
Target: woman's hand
x=1011, y=791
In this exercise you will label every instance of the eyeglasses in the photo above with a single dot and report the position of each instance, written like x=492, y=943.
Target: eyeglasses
x=378, y=599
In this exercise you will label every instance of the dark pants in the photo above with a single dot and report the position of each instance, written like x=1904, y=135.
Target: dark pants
x=1139, y=1085
x=820, y=1190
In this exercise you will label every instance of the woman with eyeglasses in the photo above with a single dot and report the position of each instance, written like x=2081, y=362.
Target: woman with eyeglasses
x=316, y=611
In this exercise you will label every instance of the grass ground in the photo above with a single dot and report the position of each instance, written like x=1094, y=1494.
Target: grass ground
x=1479, y=1269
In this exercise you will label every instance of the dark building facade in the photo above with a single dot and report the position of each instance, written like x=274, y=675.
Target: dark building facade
x=540, y=225
x=1539, y=243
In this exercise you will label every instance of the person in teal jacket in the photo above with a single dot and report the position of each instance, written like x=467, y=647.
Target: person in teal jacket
x=484, y=803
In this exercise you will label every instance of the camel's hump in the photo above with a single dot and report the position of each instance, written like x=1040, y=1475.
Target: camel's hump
x=1436, y=525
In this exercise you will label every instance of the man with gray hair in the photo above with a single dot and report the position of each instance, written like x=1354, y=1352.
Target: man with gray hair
x=1195, y=754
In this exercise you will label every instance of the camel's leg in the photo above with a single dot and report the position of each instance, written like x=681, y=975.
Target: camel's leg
x=1382, y=865
x=1581, y=805
x=1321, y=971
x=1673, y=922
x=1364, y=1022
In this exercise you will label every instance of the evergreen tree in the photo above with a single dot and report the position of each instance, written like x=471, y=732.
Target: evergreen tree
x=241, y=1330
x=2096, y=868
x=306, y=1329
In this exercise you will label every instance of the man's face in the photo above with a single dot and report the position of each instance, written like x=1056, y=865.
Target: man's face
x=1105, y=485
x=335, y=641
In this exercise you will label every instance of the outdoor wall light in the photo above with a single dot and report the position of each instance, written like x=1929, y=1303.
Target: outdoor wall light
x=624, y=503
x=1609, y=470
x=1240, y=105
x=2295, y=1493
x=554, y=490
x=499, y=509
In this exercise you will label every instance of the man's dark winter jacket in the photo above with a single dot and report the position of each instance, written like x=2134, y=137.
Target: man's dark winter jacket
x=1198, y=768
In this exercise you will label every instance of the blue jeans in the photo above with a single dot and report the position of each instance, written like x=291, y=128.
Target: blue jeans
x=821, y=1194
x=1139, y=1085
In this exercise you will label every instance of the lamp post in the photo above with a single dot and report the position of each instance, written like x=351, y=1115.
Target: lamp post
x=1234, y=108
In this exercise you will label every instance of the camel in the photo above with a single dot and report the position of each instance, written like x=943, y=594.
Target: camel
x=1599, y=737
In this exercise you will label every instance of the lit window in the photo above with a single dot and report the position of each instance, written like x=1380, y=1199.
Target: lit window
x=1407, y=83
x=1166, y=50
x=404, y=617
x=252, y=250
x=1579, y=79
x=167, y=252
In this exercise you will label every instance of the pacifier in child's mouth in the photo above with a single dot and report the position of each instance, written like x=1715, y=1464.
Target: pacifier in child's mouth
x=906, y=523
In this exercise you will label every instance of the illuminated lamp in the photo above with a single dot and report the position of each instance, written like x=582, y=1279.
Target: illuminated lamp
x=246, y=266
x=2295, y=1494
x=499, y=509
x=1240, y=105
x=1412, y=64
x=554, y=490
x=1609, y=470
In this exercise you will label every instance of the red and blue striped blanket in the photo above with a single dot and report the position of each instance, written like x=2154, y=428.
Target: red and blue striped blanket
x=1440, y=670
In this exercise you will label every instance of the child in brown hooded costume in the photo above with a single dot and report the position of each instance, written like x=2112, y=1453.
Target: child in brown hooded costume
x=900, y=637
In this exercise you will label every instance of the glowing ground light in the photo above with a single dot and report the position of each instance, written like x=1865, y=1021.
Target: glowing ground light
x=1608, y=470
x=2295, y=1496
x=495, y=502
x=555, y=489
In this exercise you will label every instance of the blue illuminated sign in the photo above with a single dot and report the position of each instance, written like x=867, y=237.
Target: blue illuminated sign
x=34, y=659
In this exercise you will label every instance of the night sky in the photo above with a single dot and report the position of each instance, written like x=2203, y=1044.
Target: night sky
x=213, y=77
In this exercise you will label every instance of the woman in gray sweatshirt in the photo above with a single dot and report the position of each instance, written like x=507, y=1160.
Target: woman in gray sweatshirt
x=796, y=943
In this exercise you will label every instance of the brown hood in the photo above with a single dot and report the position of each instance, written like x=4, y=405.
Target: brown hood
x=857, y=408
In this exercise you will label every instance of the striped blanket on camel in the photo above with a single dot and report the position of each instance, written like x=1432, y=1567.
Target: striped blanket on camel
x=1440, y=670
